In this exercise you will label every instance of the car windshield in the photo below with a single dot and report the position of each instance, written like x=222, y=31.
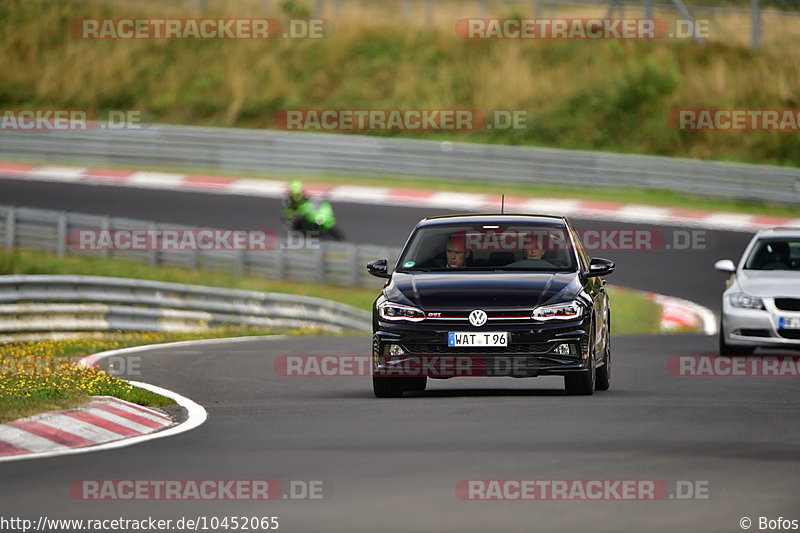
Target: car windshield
x=489, y=247
x=775, y=254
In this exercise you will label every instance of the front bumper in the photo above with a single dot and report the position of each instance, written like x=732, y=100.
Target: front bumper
x=757, y=327
x=530, y=351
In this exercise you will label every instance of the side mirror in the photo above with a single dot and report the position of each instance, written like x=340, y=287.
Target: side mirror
x=378, y=268
x=725, y=265
x=600, y=267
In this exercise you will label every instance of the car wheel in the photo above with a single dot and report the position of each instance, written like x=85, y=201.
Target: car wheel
x=603, y=375
x=388, y=387
x=728, y=349
x=582, y=383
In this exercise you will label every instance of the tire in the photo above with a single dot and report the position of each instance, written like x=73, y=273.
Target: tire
x=602, y=380
x=388, y=387
x=583, y=383
x=728, y=349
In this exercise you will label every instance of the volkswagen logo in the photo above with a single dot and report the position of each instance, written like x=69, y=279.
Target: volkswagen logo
x=477, y=317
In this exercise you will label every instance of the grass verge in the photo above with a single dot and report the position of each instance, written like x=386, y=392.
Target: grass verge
x=39, y=376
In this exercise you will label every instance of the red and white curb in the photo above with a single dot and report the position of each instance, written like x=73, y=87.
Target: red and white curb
x=66, y=434
x=398, y=197
x=104, y=419
x=679, y=314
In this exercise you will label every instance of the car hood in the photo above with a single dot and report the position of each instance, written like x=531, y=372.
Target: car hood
x=770, y=283
x=470, y=290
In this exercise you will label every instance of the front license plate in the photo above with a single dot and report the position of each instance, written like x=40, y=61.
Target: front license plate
x=789, y=323
x=484, y=338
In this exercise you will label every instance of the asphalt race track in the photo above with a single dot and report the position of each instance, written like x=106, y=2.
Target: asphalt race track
x=681, y=273
x=393, y=465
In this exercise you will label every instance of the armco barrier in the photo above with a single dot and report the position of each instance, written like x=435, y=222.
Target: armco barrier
x=278, y=152
x=30, y=304
x=336, y=263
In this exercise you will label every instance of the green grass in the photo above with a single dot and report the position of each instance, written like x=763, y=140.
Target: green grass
x=609, y=95
x=632, y=311
x=39, y=376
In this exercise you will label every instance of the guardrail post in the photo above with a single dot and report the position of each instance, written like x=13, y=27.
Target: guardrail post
x=239, y=261
x=352, y=261
x=755, y=16
x=105, y=227
x=319, y=262
x=429, y=12
x=280, y=263
x=153, y=255
x=61, y=234
x=11, y=227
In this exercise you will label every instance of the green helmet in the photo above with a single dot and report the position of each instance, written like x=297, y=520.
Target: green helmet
x=295, y=188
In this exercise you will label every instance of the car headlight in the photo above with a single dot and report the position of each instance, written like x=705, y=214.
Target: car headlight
x=393, y=311
x=563, y=311
x=740, y=299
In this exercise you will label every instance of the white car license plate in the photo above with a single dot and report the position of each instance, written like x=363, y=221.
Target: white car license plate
x=484, y=338
x=789, y=323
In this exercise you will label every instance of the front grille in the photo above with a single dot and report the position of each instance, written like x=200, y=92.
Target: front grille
x=793, y=334
x=754, y=333
x=430, y=349
x=788, y=304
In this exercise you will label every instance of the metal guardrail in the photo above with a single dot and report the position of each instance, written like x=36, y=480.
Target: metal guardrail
x=277, y=152
x=93, y=303
x=335, y=263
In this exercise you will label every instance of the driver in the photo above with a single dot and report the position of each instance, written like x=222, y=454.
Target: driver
x=456, y=250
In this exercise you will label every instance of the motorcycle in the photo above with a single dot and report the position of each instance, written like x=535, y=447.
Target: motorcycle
x=313, y=215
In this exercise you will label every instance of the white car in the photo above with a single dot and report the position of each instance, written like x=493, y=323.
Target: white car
x=761, y=305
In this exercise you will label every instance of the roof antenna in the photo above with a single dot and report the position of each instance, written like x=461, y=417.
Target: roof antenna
x=502, y=203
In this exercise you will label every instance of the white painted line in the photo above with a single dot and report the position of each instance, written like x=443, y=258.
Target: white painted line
x=549, y=206
x=28, y=441
x=729, y=221
x=643, y=213
x=347, y=193
x=254, y=187
x=455, y=200
x=154, y=180
x=57, y=173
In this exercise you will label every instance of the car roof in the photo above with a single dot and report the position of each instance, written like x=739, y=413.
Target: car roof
x=778, y=232
x=496, y=218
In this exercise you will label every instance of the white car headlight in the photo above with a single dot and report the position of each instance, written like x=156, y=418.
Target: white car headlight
x=740, y=299
x=393, y=311
x=564, y=311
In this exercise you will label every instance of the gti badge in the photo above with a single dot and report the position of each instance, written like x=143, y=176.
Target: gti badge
x=477, y=317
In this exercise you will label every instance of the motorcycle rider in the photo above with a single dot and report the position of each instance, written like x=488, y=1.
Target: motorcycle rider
x=296, y=198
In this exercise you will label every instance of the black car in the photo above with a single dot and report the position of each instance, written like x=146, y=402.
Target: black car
x=491, y=295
